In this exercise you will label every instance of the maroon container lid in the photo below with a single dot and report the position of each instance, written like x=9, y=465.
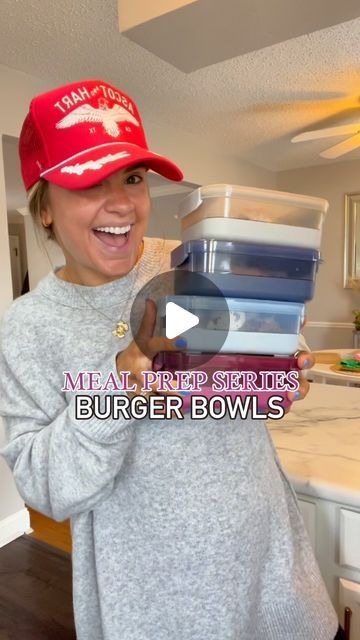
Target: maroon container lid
x=182, y=361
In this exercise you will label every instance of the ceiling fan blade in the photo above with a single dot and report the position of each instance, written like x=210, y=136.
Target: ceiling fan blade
x=317, y=134
x=343, y=147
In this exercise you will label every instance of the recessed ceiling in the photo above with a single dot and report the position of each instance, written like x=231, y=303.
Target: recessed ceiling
x=249, y=107
x=197, y=34
x=131, y=13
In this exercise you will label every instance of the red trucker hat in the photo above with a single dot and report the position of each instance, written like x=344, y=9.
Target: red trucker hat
x=79, y=134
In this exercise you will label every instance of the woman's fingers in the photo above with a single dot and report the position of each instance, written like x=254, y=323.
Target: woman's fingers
x=150, y=345
x=305, y=360
x=160, y=343
x=301, y=392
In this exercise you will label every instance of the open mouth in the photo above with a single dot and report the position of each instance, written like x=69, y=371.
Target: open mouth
x=113, y=236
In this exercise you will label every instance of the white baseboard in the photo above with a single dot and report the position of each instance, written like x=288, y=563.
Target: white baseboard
x=14, y=526
x=314, y=324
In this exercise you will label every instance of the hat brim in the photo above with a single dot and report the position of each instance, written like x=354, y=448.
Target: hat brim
x=90, y=167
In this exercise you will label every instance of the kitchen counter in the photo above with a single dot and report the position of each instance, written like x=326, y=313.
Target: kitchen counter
x=318, y=443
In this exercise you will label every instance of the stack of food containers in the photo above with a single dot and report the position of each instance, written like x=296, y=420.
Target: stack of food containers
x=259, y=251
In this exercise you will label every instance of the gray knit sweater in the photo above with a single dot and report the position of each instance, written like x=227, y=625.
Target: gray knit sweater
x=182, y=530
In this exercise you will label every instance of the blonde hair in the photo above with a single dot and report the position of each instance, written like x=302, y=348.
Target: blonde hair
x=37, y=199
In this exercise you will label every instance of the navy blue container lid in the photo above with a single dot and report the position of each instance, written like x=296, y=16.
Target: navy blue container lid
x=181, y=253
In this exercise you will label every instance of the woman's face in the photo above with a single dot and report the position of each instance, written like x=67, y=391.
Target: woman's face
x=100, y=229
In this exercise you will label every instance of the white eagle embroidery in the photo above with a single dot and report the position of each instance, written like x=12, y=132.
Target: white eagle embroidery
x=108, y=118
x=94, y=164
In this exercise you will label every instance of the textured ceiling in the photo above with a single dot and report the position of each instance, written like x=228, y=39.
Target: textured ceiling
x=250, y=106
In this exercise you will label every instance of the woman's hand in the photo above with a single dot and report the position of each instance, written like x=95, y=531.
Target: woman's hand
x=138, y=356
x=305, y=360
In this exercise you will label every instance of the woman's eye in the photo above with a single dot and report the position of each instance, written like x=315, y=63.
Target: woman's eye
x=134, y=179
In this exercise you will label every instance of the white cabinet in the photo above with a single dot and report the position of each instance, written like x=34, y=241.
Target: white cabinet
x=334, y=531
x=349, y=597
x=350, y=538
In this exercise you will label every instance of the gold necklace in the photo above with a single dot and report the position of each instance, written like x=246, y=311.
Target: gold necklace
x=122, y=327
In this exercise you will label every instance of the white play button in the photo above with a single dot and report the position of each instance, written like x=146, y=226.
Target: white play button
x=176, y=311
x=178, y=320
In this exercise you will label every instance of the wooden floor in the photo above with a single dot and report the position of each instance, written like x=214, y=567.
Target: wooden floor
x=35, y=583
x=35, y=592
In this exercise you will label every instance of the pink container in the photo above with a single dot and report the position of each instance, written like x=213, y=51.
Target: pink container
x=256, y=370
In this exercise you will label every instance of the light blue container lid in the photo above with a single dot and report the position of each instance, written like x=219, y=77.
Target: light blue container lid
x=207, y=303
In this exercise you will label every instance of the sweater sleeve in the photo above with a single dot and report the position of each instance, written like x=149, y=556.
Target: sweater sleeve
x=62, y=466
x=302, y=344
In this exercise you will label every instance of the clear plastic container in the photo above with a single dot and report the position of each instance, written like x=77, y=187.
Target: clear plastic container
x=211, y=363
x=248, y=270
x=230, y=212
x=238, y=325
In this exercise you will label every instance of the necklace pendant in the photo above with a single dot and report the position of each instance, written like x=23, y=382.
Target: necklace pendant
x=121, y=329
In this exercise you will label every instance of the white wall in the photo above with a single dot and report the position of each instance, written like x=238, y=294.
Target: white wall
x=332, y=304
x=16, y=228
x=163, y=223
x=202, y=162
x=16, y=91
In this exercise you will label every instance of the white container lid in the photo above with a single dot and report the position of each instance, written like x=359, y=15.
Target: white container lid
x=265, y=196
x=248, y=230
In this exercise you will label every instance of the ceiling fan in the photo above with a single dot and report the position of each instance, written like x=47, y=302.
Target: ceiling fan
x=338, y=149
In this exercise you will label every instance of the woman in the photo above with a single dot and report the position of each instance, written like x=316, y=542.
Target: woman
x=181, y=529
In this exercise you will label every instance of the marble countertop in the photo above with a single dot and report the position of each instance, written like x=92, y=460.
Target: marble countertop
x=318, y=443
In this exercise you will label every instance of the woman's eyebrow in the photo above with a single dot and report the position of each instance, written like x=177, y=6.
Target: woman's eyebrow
x=136, y=166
